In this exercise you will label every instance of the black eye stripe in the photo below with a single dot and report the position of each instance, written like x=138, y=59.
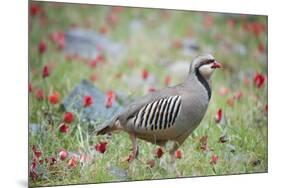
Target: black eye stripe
x=206, y=62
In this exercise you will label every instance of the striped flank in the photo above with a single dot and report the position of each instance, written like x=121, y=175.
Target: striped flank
x=160, y=114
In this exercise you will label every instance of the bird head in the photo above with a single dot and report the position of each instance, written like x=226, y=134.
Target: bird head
x=205, y=65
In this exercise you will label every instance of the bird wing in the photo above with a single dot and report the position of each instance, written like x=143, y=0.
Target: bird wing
x=149, y=112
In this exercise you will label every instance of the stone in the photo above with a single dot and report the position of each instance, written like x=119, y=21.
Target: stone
x=190, y=47
x=95, y=113
x=87, y=44
x=117, y=172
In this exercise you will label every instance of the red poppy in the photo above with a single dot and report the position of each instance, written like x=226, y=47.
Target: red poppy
x=101, y=147
x=37, y=153
x=103, y=29
x=259, y=80
x=266, y=108
x=208, y=21
x=72, y=163
x=45, y=71
x=58, y=38
x=177, y=44
x=110, y=98
x=131, y=63
x=100, y=58
x=68, y=117
x=261, y=48
x=238, y=95
x=34, y=9
x=87, y=101
x=145, y=74
x=54, y=98
x=230, y=101
x=223, y=91
x=112, y=19
x=94, y=77
x=64, y=128
x=29, y=88
x=214, y=159
x=218, y=116
x=178, y=154
x=151, y=163
x=203, y=143
x=93, y=63
x=151, y=89
x=42, y=47
x=39, y=94
x=84, y=158
x=63, y=154
x=167, y=80
x=159, y=152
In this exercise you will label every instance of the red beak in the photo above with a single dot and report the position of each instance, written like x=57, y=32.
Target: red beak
x=216, y=65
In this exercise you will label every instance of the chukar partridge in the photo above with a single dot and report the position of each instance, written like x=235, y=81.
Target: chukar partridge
x=169, y=114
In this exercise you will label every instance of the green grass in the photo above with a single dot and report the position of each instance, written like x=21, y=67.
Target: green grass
x=246, y=121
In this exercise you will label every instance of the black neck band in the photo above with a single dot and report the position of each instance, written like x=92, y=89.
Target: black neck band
x=204, y=82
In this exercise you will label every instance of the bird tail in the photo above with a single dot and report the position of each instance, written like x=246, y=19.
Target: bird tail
x=108, y=126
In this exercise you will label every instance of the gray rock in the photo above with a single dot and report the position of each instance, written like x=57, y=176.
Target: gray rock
x=34, y=128
x=86, y=43
x=190, y=47
x=119, y=173
x=97, y=112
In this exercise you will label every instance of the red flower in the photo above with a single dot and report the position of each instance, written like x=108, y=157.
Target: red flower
x=34, y=9
x=54, y=98
x=112, y=19
x=261, y=48
x=145, y=74
x=100, y=58
x=88, y=100
x=58, y=39
x=84, y=158
x=223, y=91
x=151, y=163
x=203, y=143
x=151, y=89
x=110, y=98
x=159, y=152
x=39, y=94
x=29, y=88
x=208, y=21
x=45, y=71
x=238, y=95
x=178, y=154
x=103, y=29
x=218, y=116
x=63, y=154
x=36, y=152
x=177, y=44
x=266, y=108
x=93, y=63
x=214, y=159
x=167, y=80
x=42, y=47
x=101, y=147
x=64, y=128
x=68, y=117
x=259, y=80
x=230, y=101
x=94, y=77
x=73, y=162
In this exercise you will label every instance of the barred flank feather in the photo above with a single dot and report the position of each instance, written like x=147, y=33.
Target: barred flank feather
x=159, y=114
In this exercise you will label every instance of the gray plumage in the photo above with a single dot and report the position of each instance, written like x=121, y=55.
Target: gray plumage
x=172, y=113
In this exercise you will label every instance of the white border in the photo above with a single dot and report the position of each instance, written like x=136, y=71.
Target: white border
x=13, y=82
